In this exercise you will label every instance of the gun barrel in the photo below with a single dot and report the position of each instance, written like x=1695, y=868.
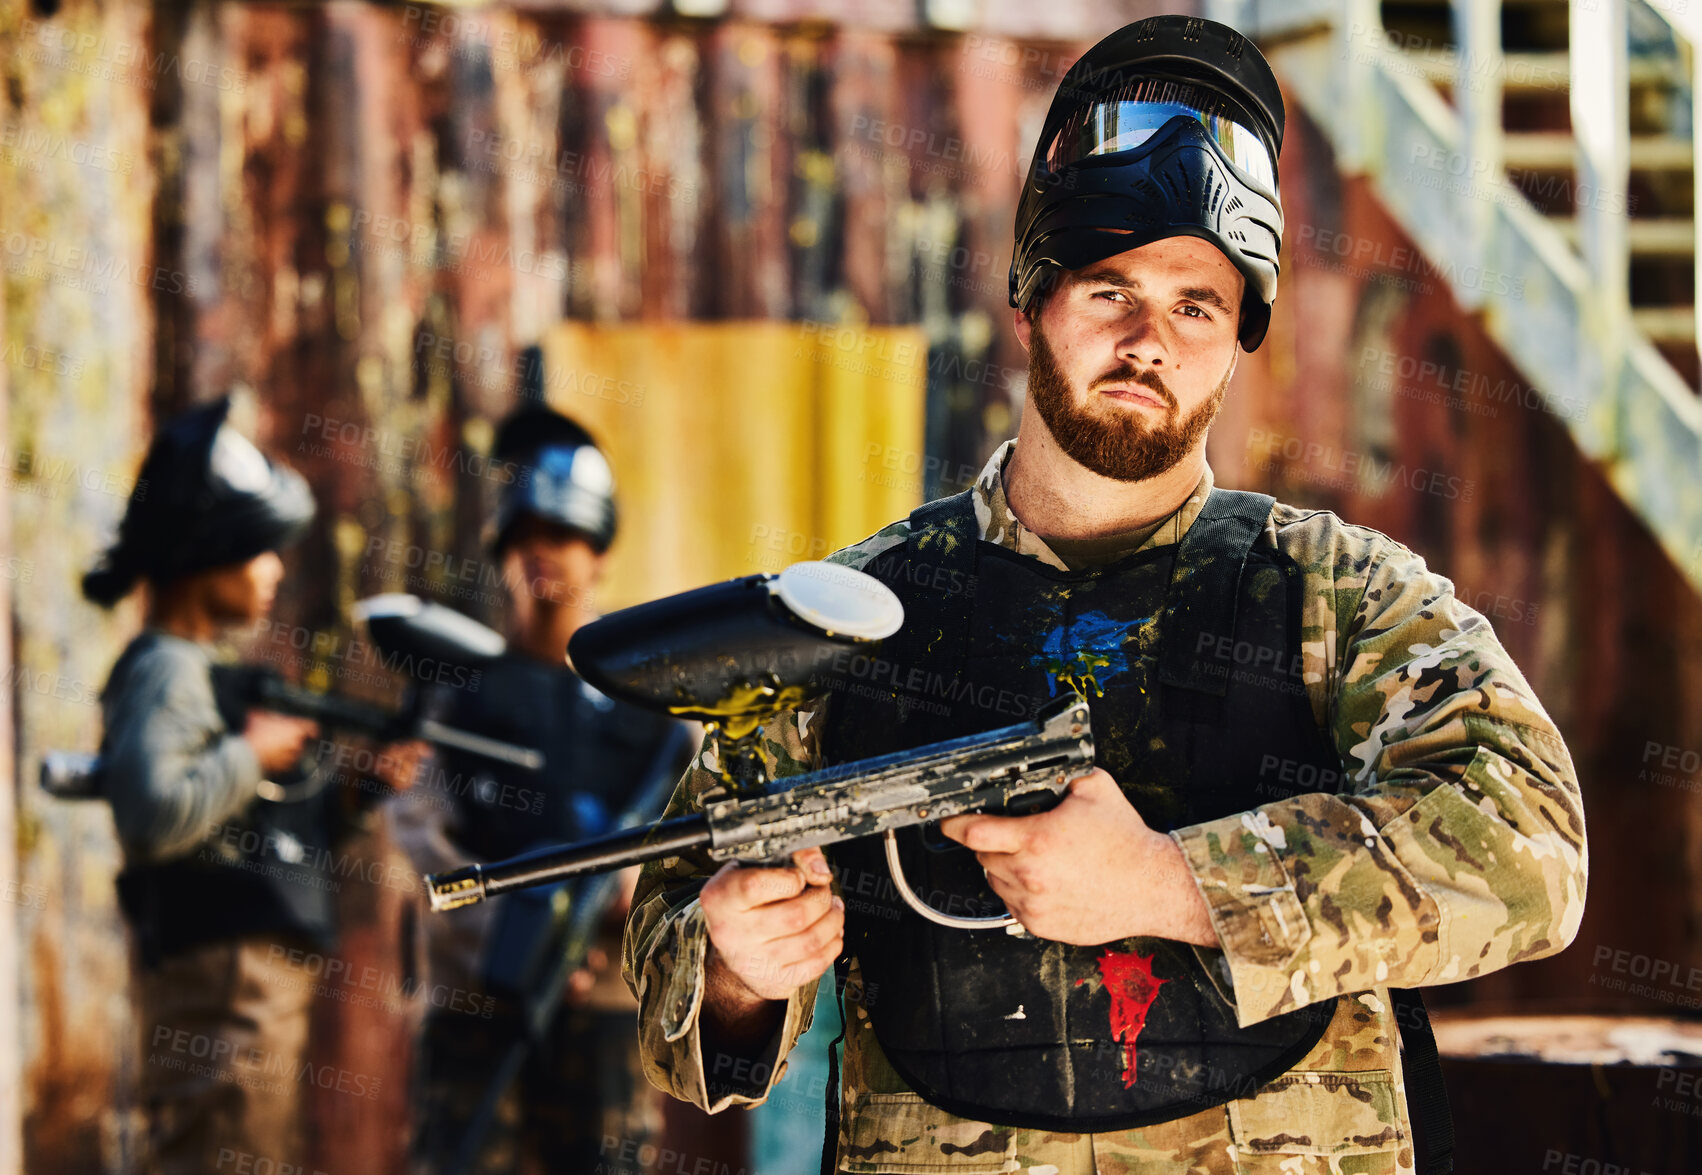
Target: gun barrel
x=340, y=711
x=71, y=775
x=526, y=758
x=474, y=883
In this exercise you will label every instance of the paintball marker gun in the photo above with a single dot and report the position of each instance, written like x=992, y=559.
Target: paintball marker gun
x=422, y=638
x=736, y=653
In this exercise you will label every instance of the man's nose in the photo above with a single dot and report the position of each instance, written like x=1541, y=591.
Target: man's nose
x=1141, y=340
x=272, y=569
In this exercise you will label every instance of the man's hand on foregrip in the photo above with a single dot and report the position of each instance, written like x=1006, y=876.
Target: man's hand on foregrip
x=770, y=932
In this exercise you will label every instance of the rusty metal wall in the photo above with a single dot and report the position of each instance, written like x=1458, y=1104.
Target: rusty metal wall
x=75, y=181
x=366, y=214
x=11, y=1074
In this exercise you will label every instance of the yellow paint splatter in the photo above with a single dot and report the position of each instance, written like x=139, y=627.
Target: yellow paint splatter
x=1081, y=679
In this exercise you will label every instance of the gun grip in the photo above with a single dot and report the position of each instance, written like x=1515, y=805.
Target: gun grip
x=1029, y=803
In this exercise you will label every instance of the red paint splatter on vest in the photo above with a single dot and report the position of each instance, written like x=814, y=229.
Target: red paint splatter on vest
x=1133, y=989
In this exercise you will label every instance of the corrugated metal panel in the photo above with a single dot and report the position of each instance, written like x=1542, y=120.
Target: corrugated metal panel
x=742, y=446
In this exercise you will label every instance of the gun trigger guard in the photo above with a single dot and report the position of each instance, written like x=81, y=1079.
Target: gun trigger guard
x=955, y=921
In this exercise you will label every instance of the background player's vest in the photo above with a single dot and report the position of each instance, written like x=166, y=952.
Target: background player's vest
x=269, y=869
x=1190, y=657
x=600, y=754
x=596, y=750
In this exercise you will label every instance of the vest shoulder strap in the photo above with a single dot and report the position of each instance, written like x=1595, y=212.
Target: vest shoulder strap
x=1205, y=586
x=933, y=525
x=1427, y=1093
x=943, y=536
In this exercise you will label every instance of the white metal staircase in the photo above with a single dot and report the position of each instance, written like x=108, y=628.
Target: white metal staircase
x=1552, y=142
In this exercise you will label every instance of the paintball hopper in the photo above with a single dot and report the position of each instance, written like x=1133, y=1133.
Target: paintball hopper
x=410, y=629
x=735, y=653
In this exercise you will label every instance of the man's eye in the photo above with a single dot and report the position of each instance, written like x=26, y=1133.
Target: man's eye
x=1109, y=294
x=1196, y=312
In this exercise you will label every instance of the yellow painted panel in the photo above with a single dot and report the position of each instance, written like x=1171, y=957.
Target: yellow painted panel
x=742, y=446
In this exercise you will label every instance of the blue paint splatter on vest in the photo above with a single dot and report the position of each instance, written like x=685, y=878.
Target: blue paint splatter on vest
x=1084, y=654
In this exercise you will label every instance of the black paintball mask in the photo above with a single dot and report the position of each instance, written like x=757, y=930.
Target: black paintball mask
x=205, y=498
x=560, y=476
x=1170, y=126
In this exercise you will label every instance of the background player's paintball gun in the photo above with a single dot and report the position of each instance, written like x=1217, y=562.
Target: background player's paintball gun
x=421, y=640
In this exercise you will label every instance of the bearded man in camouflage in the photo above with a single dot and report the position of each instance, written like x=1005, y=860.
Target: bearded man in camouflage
x=1322, y=781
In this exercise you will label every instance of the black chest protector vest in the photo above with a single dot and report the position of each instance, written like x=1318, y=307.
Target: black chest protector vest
x=1189, y=656
x=268, y=869
x=596, y=749
x=602, y=763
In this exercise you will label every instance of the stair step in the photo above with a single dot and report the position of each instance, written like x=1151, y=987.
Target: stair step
x=1650, y=237
x=1529, y=73
x=1666, y=324
x=1554, y=151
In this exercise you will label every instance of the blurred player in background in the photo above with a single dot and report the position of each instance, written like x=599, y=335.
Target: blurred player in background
x=219, y=884
x=580, y=1084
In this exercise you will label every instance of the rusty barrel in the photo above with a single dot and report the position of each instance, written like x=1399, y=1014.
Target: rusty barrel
x=1573, y=1094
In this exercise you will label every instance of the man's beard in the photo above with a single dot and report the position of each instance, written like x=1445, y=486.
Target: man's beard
x=1115, y=443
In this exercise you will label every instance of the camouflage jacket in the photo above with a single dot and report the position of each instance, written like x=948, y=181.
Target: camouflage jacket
x=1455, y=847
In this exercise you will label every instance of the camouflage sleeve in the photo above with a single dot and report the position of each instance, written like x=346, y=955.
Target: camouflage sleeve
x=666, y=941
x=1456, y=844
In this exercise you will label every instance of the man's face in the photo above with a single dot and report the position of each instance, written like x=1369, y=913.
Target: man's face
x=1129, y=357
x=543, y=560
x=241, y=593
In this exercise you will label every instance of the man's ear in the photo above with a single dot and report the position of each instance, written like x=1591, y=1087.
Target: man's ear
x=1024, y=325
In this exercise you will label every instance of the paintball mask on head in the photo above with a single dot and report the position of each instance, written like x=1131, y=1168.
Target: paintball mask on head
x=205, y=498
x=561, y=476
x=1169, y=127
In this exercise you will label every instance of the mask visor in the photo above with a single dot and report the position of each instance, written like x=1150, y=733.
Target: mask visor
x=1129, y=116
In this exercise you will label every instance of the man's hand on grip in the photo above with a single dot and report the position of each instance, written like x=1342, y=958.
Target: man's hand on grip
x=278, y=739
x=770, y=930
x=1088, y=871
